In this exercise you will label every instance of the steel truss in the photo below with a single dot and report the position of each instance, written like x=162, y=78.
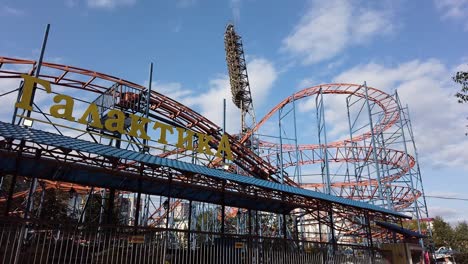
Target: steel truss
x=378, y=160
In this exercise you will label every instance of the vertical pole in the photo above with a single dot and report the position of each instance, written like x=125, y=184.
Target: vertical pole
x=323, y=147
x=417, y=161
x=223, y=210
x=298, y=166
x=418, y=169
x=319, y=225
x=250, y=221
x=243, y=117
x=369, y=235
x=322, y=128
x=385, y=171
x=168, y=208
x=148, y=98
x=332, y=229
x=39, y=64
x=110, y=206
x=224, y=126
x=145, y=143
x=415, y=202
x=15, y=110
x=257, y=225
x=358, y=174
x=168, y=211
x=374, y=149
x=10, y=194
x=146, y=213
x=138, y=200
x=279, y=217
x=13, y=181
x=33, y=186
x=281, y=146
x=88, y=198
x=284, y=227
x=101, y=208
x=190, y=227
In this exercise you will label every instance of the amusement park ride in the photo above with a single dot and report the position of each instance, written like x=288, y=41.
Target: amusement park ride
x=153, y=175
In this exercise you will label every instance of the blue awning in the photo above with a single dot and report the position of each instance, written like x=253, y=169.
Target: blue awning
x=401, y=230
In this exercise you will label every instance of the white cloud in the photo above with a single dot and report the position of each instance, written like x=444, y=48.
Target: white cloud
x=71, y=3
x=210, y=104
x=437, y=119
x=173, y=90
x=450, y=215
x=235, y=8
x=453, y=9
x=11, y=11
x=446, y=212
x=108, y=4
x=7, y=101
x=185, y=3
x=307, y=82
x=328, y=27
x=262, y=75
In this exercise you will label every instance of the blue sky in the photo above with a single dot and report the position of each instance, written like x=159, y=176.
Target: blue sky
x=412, y=46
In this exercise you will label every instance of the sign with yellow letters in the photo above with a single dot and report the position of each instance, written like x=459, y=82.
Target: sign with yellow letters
x=114, y=121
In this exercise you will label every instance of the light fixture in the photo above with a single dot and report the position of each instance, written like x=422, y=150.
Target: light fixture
x=27, y=123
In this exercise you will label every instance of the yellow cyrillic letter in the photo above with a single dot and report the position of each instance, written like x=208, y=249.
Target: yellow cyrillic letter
x=181, y=142
x=224, y=146
x=93, y=111
x=28, y=85
x=117, y=123
x=203, y=144
x=67, y=107
x=164, y=128
x=138, y=124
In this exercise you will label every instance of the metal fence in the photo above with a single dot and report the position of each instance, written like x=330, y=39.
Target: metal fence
x=26, y=242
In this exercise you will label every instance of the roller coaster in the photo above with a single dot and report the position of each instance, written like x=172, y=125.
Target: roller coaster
x=245, y=158
x=380, y=158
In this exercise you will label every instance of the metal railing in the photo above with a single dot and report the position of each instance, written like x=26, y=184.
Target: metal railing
x=29, y=242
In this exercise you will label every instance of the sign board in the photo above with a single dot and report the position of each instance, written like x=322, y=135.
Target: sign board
x=239, y=245
x=115, y=121
x=140, y=239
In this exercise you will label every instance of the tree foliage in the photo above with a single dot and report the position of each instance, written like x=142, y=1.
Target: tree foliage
x=54, y=206
x=444, y=235
x=462, y=78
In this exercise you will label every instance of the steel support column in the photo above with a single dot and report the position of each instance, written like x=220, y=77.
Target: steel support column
x=374, y=149
x=415, y=202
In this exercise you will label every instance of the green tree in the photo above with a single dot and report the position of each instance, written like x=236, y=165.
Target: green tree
x=54, y=205
x=442, y=233
x=462, y=78
x=413, y=225
x=461, y=237
x=456, y=238
x=461, y=242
